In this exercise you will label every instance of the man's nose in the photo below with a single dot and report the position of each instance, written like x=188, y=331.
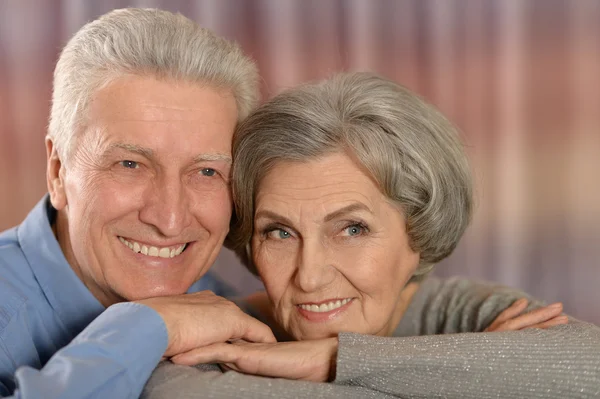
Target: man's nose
x=315, y=267
x=167, y=206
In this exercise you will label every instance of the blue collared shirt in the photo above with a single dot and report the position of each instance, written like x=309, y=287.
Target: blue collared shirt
x=56, y=339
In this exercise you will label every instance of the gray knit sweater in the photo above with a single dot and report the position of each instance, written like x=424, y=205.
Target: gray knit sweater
x=438, y=351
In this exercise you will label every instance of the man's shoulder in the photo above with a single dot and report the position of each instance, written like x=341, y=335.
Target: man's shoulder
x=8, y=238
x=12, y=257
x=12, y=300
x=16, y=277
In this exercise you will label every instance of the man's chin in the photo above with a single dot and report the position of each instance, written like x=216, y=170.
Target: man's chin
x=153, y=291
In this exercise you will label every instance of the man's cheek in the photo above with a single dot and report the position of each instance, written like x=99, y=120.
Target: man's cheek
x=215, y=210
x=84, y=185
x=113, y=196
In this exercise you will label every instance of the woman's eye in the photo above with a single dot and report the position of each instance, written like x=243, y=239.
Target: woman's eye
x=354, y=230
x=129, y=164
x=209, y=172
x=278, y=234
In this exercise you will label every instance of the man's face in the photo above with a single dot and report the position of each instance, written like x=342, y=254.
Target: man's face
x=146, y=191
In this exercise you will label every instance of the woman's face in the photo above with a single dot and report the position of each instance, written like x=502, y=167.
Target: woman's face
x=331, y=249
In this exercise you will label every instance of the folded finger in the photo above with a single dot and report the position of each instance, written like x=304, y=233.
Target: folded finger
x=255, y=331
x=512, y=311
x=531, y=318
x=230, y=367
x=543, y=314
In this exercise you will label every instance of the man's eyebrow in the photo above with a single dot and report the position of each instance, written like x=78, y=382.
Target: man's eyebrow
x=146, y=152
x=212, y=157
x=357, y=206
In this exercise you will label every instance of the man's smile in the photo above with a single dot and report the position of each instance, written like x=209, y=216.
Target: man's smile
x=150, y=250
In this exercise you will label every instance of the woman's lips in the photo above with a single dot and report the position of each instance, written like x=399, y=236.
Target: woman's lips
x=324, y=311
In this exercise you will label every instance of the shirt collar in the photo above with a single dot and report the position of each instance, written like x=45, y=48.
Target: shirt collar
x=66, y=293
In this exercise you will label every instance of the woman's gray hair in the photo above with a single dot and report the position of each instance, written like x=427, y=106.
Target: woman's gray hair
x=406, y=145
x=143, y=42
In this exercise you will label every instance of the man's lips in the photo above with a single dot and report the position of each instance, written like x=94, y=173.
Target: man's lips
x=154, y=251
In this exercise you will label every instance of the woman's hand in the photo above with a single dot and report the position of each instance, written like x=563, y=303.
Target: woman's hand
x=511, y=318
x=312, y=360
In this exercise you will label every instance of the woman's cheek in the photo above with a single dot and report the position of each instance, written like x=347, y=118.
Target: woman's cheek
x=276, y=269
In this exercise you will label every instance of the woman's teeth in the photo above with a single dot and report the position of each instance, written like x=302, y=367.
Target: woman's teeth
x=325, y=307
x=164, y=252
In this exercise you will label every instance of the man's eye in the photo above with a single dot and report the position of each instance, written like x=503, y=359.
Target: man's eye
x=278, y=234
x=208, y=172
x=130, y=164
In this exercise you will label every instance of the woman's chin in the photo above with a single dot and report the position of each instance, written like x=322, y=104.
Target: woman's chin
x=313, y=335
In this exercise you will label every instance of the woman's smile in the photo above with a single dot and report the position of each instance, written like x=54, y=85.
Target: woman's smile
x=325, y=310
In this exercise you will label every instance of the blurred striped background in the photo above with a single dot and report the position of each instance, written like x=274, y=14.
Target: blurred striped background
x=521, y=78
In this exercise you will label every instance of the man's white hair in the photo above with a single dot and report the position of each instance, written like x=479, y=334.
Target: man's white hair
x=143, y=42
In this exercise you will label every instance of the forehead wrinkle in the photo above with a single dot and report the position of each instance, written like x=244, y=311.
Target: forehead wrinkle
x=315, y=193
x=170, y=107
x=333, y=182
x=156, y=117
x=146, y=113
x=354, y=207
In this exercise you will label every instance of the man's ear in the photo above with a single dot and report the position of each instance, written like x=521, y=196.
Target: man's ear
x=55, y=176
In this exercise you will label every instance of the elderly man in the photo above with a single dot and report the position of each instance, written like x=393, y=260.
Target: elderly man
x=93, y=283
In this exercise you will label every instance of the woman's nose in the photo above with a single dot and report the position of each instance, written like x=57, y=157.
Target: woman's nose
x=315, y=269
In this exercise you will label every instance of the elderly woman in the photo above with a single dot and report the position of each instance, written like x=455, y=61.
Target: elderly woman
x=347, y=193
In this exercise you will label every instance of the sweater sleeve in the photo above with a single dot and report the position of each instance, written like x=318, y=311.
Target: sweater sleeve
x=560, y=362
x=448, y=361
x=207, y=381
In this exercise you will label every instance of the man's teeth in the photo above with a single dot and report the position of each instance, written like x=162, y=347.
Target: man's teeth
x=326, y=307
x=153, y=251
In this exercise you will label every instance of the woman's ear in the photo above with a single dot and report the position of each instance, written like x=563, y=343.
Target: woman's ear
x=55, y=176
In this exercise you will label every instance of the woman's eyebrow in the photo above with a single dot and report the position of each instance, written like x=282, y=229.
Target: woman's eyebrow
x=273, y=216
x=357, y=206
